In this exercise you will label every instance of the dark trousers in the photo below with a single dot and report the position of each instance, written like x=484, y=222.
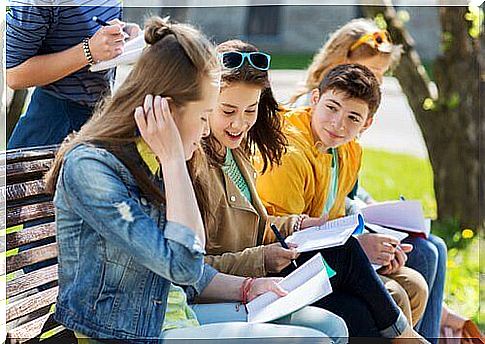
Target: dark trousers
x=359, y=296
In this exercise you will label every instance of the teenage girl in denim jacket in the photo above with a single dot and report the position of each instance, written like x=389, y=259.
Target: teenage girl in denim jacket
x=127, y=235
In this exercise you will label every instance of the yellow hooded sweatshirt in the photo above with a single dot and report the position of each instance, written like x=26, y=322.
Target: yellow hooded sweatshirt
x=300, y=184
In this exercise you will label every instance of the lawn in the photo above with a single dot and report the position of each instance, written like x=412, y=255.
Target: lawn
x=386, y=176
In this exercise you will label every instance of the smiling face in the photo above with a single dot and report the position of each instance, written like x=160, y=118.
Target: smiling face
x=193, y=118
x=235, y=113
x=337, y=118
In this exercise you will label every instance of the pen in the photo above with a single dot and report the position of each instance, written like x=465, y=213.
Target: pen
x=401, y=198
x=103, y=23
x=100, y=21
x=281, y=240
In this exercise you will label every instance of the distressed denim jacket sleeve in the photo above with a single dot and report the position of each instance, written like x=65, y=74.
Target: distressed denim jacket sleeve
x=197, y=288
x=98, y=195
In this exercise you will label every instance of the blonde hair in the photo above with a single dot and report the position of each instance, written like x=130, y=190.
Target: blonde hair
x=176, y=63
x=337, y=51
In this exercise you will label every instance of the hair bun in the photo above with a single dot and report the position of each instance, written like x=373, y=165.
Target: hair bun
x=157, y=28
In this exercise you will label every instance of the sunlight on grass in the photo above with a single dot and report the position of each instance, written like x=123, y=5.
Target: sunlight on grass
x=386, y=176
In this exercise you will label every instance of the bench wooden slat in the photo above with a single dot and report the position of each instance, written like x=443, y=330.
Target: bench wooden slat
x=28, y=330
x=31, y=280
x=31, y=153
x=16, y=192
x=31, y=234
x=32, y=303
x=31, y=256
x=20, y=214
x=25, y=170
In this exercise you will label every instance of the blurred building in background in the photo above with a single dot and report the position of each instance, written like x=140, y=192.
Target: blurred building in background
x=287, y=29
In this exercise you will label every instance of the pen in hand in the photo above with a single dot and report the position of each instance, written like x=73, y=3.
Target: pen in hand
x=103, y=23
x=100, y=21
x=281, y=240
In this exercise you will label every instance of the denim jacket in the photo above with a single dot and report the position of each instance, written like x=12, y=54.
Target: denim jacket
x=117, y=252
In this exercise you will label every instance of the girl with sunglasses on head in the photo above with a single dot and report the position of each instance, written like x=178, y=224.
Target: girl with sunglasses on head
x=240, y=241
x=361, y=41
x=129, y=226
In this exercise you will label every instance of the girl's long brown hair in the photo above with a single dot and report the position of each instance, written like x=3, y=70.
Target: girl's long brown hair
x=266, y=134
x=175, y=64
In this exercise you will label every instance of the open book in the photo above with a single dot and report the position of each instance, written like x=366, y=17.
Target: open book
x=305, y=285
x=332, y=233
x=400, y=215
x=133, y=50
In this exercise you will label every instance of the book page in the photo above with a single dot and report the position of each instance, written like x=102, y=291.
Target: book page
x=341, y=223
x=383, y=230
x=333, y=233
x=305, y=285
x=133, y=50
x=311, y=291
x=403, y=215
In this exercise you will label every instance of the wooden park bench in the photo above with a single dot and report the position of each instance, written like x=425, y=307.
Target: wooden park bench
x=31, y=294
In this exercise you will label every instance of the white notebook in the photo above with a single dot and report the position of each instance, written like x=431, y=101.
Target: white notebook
x=332, y=233
x=133, y=50
x=305, y=285
x=401, y=215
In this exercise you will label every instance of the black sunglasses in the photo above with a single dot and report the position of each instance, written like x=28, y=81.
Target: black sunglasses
x=235, y=59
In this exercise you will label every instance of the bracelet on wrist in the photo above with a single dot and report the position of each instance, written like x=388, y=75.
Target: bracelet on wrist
x=299, y=221
x=87, y=51
x=246, y=288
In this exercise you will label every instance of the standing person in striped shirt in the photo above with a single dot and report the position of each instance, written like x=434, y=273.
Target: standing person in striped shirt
x=50, y=48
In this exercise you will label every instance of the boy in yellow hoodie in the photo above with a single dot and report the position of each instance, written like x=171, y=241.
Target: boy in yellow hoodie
x=321, y=167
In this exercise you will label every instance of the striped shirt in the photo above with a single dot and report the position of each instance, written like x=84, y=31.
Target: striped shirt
x=39, y=30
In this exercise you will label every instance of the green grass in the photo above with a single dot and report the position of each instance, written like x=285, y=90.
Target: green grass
x=387, y=175
x=290, y=61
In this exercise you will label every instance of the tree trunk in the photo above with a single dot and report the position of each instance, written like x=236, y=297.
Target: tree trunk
x=452, y=123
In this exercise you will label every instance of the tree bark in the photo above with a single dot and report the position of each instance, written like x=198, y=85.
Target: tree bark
x=453, y=126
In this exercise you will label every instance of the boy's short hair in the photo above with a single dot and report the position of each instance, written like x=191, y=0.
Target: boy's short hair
x=356, y=81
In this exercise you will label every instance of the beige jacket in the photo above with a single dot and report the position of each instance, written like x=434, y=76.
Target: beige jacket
x=235, y=243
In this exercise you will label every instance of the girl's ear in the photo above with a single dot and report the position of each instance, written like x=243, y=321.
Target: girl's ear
x=314, y=97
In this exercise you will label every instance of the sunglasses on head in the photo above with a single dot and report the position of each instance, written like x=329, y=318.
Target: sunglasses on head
x=235, y=59
x=379, y=40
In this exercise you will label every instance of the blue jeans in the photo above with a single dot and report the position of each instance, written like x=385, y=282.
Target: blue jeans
x=224, y=322
x=429, y=258
x=48, y=120
x=309, y=317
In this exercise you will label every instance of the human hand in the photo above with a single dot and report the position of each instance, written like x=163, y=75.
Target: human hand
x=276, y=258
x=265, y=284
x=308, y=222
x=132, y=29
x=158, y=129
x=108, y=42
x=399, y=260
x=379, y=248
